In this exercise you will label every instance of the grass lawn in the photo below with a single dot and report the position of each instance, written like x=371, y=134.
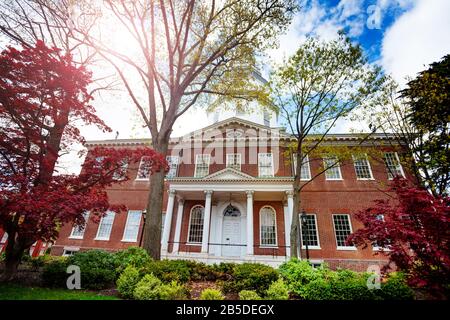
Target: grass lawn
x=16, y=292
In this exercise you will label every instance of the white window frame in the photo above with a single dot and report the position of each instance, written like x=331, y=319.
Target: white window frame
x=138, y=170
x=64, y=254
x=260, y=154
x=343, y=248
x=306, y=162
x=122, y=170
x=368, y=165
x=197, y=156
x=234, y=155
x=338, y=167
x=86, y=219
x=317, y=232
x=127, y=224
x=170, y=164
x=399, y=165
x=378, y=248
x=100, y=225
x=189, y=226
x=276, y=229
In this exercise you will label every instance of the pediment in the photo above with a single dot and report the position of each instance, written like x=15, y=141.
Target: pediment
x=229, y=174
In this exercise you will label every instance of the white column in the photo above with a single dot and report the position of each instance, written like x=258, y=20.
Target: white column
x=206, y=221
x=249, y=222
x=290, y=208
x=168, y=221
x=176, y=240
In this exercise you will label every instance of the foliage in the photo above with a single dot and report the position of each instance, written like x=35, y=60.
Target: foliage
x=54, y=273
x=415, y=229
x=151, y=288
x=428, y=98
x=132, y=256
x=127, y=281
x=396, y=288
x=249, y=295
x=169, y=270
x=277, y=291
x=211, y=294
x=250, y=276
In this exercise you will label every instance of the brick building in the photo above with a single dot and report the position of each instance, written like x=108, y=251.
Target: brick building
x=229, y=198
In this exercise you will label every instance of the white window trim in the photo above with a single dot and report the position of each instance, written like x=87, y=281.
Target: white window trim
x=137, y=173
x=343, y=248
x=126, y=226
x=271, y=155
x=190, y=243
x=85, y=226
x=176, y=171
x=338, y=166
x=69, y=249
x=234, y=154
x=317, y=233
x=399, y=163
x=378, y=248
x=99, y=225
x=368, y=165
x=196, y=162
x=294, y=162
x=267, y=246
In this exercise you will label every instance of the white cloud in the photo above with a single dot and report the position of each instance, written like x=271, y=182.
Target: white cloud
x=417, y=38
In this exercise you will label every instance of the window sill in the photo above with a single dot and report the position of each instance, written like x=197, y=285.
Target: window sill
x=101, y=239
x=194, y=244
x=365, y=179
x=269, y=247
x=312, y=248
x=346, y=248
x=76, y=238
x=381, y=249
x=143, y=180
x=334, y=179
x=128, y=240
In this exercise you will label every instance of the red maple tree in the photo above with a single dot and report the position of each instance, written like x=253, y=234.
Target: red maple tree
x=43, y=96
x=413, y=230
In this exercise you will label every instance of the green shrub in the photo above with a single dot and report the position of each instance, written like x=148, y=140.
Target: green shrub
x=249, y=295
x=132, y=256
x=224, y=268
x=211, y=294
x=395, y=288
x=127, y=282
x=278, y=290
x=169, y=270
x=97, y=268
x=172, y=291
x=299, y=273
x=151, y=288
x=201, y=271
x=55, y=272
x=251, y=276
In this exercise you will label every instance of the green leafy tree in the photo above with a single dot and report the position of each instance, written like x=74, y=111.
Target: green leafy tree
x=320, y=84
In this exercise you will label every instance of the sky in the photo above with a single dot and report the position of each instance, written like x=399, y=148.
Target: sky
x=402, y=36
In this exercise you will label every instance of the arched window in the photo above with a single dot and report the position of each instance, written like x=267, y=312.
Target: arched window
x=196, y=224
x=268, y=225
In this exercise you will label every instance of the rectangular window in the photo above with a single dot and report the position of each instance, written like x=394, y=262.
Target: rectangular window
x=394, y=168
x=202, y=165
x=234, y=161
x=265, y=165
x=309, y=232
x=173, y=166
x=362, y=168
x=132, y=225
x=334, y=171
x=67, y=253
x=342, y=229
x=121, y=172
x=305, y=172
x=375, y=245
x=144, y=169
x=105, y=226
x=78, y=231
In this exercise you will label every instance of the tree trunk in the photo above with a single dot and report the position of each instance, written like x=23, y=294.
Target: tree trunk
x=295, y=223
x=152, y=230
x=13, y=256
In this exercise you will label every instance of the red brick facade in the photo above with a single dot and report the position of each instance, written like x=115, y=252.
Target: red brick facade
x=321, y=197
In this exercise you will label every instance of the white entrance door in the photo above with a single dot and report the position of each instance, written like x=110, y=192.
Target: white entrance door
x=231, y=236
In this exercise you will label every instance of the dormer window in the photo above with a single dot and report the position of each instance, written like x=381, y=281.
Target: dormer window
x=173, y=166
x=265, y=165
x=234, y=161
x=202, y=165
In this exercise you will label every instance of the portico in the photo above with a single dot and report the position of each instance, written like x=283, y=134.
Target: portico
x=228, y=228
